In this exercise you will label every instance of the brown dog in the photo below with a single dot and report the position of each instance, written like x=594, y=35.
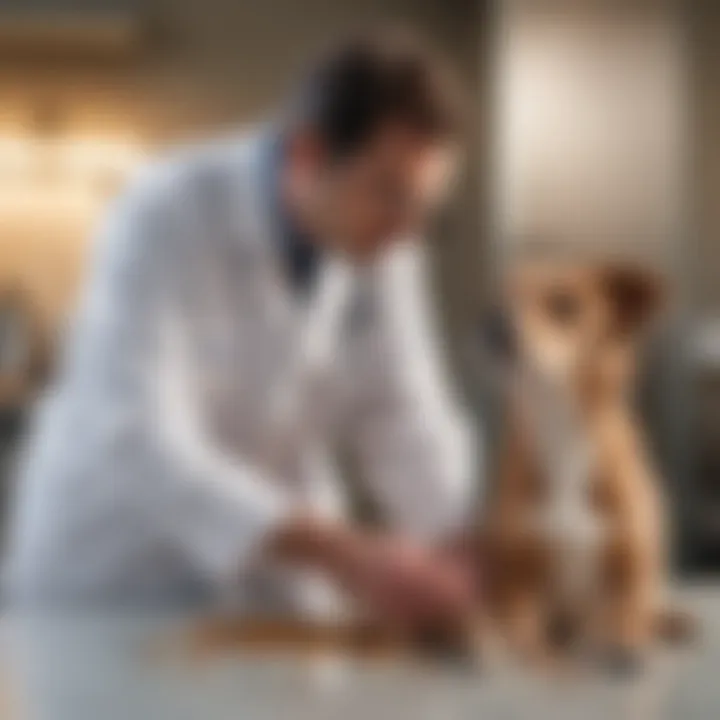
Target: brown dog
x=575, y=526
x=573, y=538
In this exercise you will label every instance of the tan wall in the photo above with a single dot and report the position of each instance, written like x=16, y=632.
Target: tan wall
x=703, y=249
x=591, y=125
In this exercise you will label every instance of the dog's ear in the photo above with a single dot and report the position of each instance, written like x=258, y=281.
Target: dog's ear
x=636, y=294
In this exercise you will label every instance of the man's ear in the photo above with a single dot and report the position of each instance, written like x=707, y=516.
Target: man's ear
x=636, y=295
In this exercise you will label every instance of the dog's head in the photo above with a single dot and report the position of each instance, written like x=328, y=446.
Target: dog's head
x=571, y=323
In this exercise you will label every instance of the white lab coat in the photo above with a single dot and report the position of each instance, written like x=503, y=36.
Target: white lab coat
x=200, y=396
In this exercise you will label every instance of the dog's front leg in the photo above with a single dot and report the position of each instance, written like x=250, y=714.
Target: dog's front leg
x=523, y=620
x=631, y=587
x=519, y=601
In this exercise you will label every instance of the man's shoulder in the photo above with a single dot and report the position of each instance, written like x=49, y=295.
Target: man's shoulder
x=188, y=204
x=183, y=176
x=197, y=193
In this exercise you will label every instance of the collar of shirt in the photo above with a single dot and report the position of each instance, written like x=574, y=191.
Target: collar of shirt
x=301, y=256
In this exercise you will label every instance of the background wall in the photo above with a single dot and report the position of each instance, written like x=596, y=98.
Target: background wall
x=704, y=42
x=591, y=126
x=702, y=266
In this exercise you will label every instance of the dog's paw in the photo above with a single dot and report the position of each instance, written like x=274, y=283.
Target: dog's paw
x=622, y=662
x=464, y=655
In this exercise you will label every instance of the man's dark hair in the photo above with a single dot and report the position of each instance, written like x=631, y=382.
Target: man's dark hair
x=376, y=79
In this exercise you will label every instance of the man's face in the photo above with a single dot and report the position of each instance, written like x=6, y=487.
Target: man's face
x=386, y=190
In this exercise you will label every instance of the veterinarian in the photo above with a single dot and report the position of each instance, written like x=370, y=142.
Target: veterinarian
x=251, y=305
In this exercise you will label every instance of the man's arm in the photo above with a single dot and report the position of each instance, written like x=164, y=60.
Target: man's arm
x=416, y=449
x=130, y=354
x=223, y=512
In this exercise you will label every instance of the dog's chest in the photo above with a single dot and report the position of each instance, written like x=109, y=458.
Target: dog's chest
x=565, y=515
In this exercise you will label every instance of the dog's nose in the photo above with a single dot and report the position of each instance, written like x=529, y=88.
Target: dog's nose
x=498, y=334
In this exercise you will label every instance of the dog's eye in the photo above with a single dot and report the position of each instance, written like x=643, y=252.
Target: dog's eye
x=562, y=306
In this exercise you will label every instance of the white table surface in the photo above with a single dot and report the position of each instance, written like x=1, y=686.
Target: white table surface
x=120, y=669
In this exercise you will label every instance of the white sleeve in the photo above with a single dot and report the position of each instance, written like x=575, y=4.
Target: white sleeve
x=417, y=450
x=214, y=507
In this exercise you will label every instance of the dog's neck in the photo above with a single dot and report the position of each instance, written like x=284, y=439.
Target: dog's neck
x=558, y=431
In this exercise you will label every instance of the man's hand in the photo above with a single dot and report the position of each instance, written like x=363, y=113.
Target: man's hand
x=399, y=582
x=469, y=550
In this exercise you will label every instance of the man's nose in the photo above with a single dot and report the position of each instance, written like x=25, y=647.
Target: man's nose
x=498, y=334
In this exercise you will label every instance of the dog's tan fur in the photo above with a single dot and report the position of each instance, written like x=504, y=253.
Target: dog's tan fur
x=578, y=331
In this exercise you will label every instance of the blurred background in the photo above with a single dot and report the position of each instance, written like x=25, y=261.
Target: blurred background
x=596, y=124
